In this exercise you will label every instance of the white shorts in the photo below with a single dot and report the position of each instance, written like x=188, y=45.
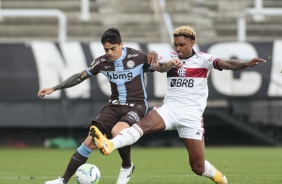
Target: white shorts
x=186, y=123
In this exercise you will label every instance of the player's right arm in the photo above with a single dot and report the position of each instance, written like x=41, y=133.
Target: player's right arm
x=69, y=82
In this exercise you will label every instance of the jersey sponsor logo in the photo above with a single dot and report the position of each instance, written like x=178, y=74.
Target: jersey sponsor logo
x=130, y=64
x=132, y=55
x=182, y=83
x=114, y=75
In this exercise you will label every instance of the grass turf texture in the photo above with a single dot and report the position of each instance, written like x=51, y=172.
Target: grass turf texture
x=242, y=165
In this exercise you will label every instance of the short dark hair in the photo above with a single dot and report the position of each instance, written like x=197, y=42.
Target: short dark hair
x=111, y=35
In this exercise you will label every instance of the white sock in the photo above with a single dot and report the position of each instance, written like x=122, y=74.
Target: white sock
x=209, y=170
x=127, y=136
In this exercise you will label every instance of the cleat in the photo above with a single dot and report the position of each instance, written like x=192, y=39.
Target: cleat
x=56, y=181
x=219, y=178
x=92, y=132
x=104, y=144
x=124, y=174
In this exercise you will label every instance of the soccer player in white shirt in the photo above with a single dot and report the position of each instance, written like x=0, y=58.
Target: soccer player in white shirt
x=183, y=106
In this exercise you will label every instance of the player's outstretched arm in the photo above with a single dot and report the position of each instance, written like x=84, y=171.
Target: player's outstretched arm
x=69, y=82
x=239, y=65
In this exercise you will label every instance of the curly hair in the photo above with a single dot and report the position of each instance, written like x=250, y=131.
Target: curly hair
x=185, y=31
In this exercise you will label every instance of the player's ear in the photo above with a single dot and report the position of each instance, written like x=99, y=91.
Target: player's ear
x=121, y=44
x=192, y=43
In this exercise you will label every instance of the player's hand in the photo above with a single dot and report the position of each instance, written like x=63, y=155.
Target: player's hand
x=255, y=61
x=152, y=57
x=44, y=91
x=176, y=63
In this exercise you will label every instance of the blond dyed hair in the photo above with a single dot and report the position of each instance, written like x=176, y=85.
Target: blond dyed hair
x=185, y=31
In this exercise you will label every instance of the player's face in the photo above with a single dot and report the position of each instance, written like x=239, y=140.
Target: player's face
x=183, y=46
x=113, y=51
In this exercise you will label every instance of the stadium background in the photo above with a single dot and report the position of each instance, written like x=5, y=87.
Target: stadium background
x=244, y=107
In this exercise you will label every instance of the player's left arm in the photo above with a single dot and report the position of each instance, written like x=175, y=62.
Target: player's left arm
x=238, y=65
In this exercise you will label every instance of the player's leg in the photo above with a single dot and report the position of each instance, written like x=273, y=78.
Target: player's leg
x=77, y=159
x=196, y=154
x=129, y=116
x=127, y=167
x=199, y=165
x=123, y=152
x=152, y=122
x=114, y=118
x=82, y=153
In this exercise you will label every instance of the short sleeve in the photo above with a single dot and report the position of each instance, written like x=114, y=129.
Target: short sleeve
x=93, y=69
x=211, y=62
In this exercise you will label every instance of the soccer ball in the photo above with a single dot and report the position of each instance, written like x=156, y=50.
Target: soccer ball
x=88, y=174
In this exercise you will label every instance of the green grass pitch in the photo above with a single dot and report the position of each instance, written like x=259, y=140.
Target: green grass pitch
x=241, y=165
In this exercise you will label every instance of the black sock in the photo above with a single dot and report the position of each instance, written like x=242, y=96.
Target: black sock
x=125, y=156
x=74, y=163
